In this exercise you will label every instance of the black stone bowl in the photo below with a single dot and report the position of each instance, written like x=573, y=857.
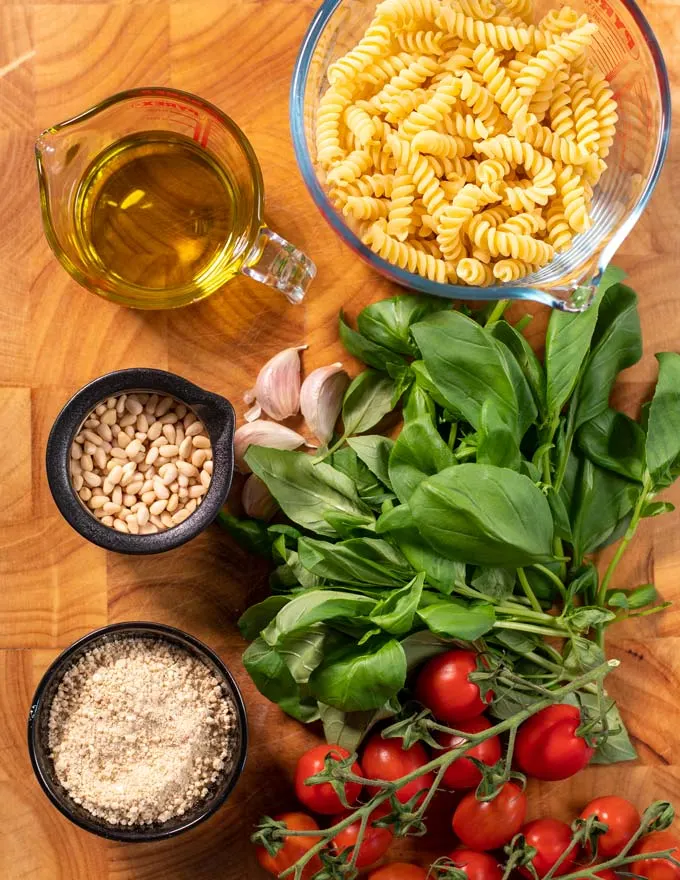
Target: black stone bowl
x=215, y=412
x=43, y=766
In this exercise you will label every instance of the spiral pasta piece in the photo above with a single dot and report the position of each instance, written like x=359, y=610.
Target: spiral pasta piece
x=409, y=78
x=399, y=107
x=455, y=216
x=523, y=9
x=559, y=235
x=500, y=86
x=479, y=99
x=548, y=61
x=481, y=9
x=558, y=148
x=331, y=110
x=362, y=126
x=448, y=146
x=400, y=13
x=475, y=272
x=365, y=208
x=405, y=256
x=511, y=270
x=557, y=21
x=375, y=43
x=585, y=114
x=474, y=31
x=573, y=196
x=422, y=42
x=519, y=247
x=463, y=125
x=606, y=107
x=381, y=70
x=347, y=171
x=527, y=223
x=401, y=206
x=492, y=170
x=426, y=117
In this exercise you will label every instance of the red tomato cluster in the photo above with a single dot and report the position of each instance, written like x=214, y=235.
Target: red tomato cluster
x=548, y=746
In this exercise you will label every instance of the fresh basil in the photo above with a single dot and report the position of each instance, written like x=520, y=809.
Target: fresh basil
x=273, y=679
x=466, y=366
x=656, y=508
x=526, y=358
x=484, y=515
x=251, y=534
x=497, y=443
x=618, y=746
x=388, y=322
x=370, y=561
x=347, y=729
x=318, y=606
x=631, y=600
x=396, y=613
x=418, y=404
x=418, y=453
x=369, y=487
x=257, y=617
x=366, y=350
x=306, y=491
x=496, y=583
x=360, y=677
x=527, y=411
x=366, y=401
x=374, y=451
x=663, y=429
x=455, y=619
x=614, y=441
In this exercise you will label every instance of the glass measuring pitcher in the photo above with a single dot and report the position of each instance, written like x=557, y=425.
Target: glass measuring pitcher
x=154, y=199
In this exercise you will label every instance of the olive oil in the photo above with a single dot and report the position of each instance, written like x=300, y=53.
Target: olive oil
x=156, y=211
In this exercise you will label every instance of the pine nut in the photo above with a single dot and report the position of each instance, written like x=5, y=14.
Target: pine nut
x=185, y=448
x=174, y=486
x=152, y=455
x=128, y=421
x=154, y=431
x=187, y=469
x=197, y=491
x=78, y=482
x=123, y=440
x=179, y=435
x=76, y=451
x=133, y=525
x=108, y=486
x=110, y=507
x=180, y=516
x=118, y=452
x=199, y=458
x=97, y=501
x=183, y=480
x=193, y=429
x=170, y=474
x=120, y=526
x=107, y=521
x=133, y=448
x=133, y=406
x=157, y=443
x=160, y=489
x=130, y=431
x=111, y=402
x=104, y=432
x=115, y=475
x=147, y=487
x=169, y=450
x=189, y=419
x=120, y=404
x=173, y=503
x=89, y=448
x=100, y=409
x=166, y=519
x=200, y=441
x=157, y=521
x=93, y=438
x=180, y=411
x=91, y=423
x=117, y=495
x=75, y=467
x=109, y=417
x=135, y=487
x=148, y=529
x=92, y=479
x=148, y=497
x=142, y=423
x=158, y=507
x=142, y=514
x=205, y=478
x=169, y=433
x=208, y=467
x=79, y=438
x=100, y=458
x=129, y=500
x=85, y=494
x=140, y=435
x=163, y=407
x=150, y=405
x=191, y=505
x=86, y=462
x=183, y=493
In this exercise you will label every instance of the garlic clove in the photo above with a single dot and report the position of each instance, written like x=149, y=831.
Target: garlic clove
x=262, y=433
x=321, y=399
x=277, y=389
x=257, y=500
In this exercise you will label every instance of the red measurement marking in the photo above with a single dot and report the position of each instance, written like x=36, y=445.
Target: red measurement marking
x=617, y=22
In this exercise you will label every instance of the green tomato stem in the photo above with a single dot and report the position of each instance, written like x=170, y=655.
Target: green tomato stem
x=558, y=632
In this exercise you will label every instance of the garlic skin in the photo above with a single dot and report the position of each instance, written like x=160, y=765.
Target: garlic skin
x=257, y=500
x=321, y=399
x=277, y=390
x=263, y=433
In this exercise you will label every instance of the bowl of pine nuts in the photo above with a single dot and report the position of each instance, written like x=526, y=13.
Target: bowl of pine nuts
x=140, y=461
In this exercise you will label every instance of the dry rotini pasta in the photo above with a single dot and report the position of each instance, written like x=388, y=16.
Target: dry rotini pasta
x=462, y=140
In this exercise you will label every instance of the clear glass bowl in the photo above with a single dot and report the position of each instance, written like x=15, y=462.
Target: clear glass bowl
x=625, y=50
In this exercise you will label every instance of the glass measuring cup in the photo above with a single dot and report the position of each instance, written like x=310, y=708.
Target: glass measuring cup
x=625, y=50
x=66, y=154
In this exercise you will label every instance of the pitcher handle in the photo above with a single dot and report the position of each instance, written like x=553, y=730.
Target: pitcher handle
x=281, y=265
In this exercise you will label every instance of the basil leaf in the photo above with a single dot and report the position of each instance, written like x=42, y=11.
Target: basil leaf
x=348, y=526
x=354, y=677
x=582, y=655
x=663, y=429
x=306, y=491
x=614, y=441
x=366, y=401
x=367, y=351
x=567, y=343
x=495, y=582
x=347, y=729
x=257, y=617
x=630, y=600
x=362, y=561
x=508, y=701
x=526, y=358
x=618, y=746
x=657, y=508
x=369, y=488
x=315, y=607
x=584, y=618
x=519, y=642
x=303, y=650
x=484, y=515
x=251, y=534
x=527, y=411
x=441, y=573
x=497, y=444
x=560, y=515
x=466, y=366
x=396, y=613
x=417, y=404
x=388, y=322
x=418, y=453
x=455, y=619
x=616, y=344
x=269, y=672
x=425, y=382
x=374, y=451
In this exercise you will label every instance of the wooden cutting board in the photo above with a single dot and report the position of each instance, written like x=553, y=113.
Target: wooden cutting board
x=56, y=59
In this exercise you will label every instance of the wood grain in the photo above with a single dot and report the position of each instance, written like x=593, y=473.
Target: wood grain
x=54, y=587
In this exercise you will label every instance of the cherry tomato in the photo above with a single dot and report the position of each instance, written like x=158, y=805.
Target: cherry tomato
x=463, y=773
x=321, y=798
x=443, y=686
x=622, y=818
x=293, y=848
x=399, y=871
x=547, y=746
x=387, y=759
x=550, y=837
x=484, y=825
x=476, y=865
x=376, y=841
x=657, y=869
